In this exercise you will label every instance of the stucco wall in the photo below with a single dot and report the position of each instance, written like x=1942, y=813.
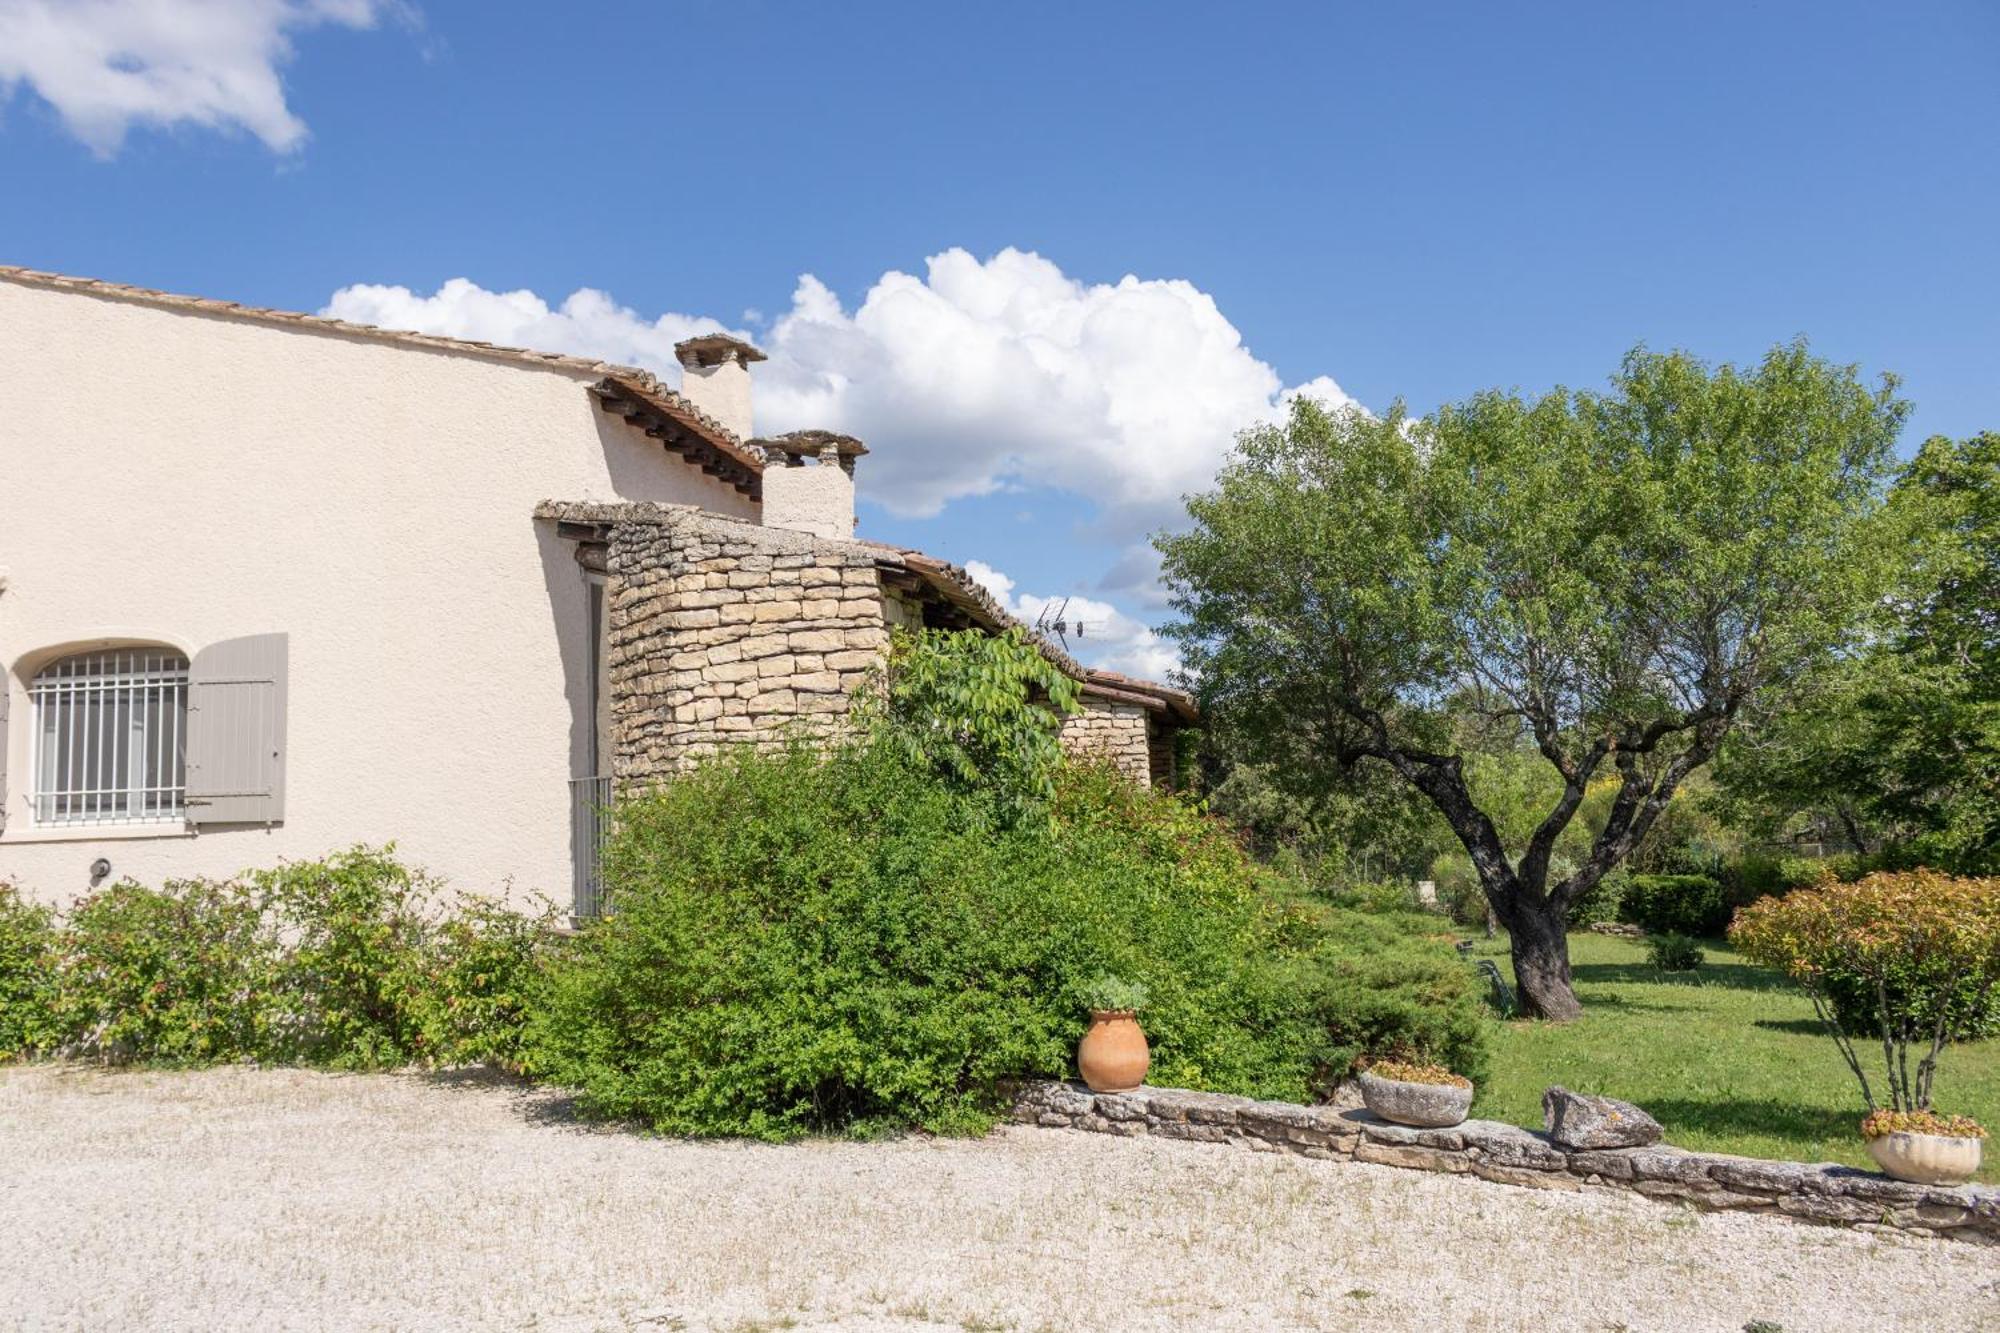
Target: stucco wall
x=183, y=478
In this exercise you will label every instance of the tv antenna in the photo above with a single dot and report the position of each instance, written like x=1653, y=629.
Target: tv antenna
x=1055, y=620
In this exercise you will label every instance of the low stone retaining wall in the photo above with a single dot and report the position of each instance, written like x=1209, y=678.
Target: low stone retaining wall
x=1836, y=1195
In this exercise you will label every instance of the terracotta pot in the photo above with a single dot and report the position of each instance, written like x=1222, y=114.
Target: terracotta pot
x=1113, y=1056
x=1927, y=1159
x=1432, y=1105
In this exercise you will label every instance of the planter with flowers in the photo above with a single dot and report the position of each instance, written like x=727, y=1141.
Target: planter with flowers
x=1413, y=1093
x=1113, y=1056
x=1926, y=946
x=1923, y=1147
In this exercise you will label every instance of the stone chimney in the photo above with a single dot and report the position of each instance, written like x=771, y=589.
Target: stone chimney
x=809, y=482
x=715, y=377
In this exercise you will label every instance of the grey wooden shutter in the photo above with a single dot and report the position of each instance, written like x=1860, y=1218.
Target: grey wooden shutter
x=236, y=732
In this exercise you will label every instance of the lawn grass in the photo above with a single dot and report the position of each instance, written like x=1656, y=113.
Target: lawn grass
x=1729, y=1058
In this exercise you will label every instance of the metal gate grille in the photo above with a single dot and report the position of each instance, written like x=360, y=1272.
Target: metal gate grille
x=110, y=738
x=590, y=827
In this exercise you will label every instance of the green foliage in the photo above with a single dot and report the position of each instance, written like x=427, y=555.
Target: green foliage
x=1729, y=1058
x=479, y=974
x=1109, y=994
x=1895, y=749
x=1674, y=953
x=1392, y=985
x=1921, y=948
x=27, y=960
x=981, y=711
x=1603, y=901
x=351, y=962
x=838, y=940
x=1604, y=580
x=351, y=968
x=180, y=975
x=1676, y=905
x=1376, y=896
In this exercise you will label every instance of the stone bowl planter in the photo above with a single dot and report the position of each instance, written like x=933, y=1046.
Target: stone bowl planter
x=1428, y=1105
x=1927, y=1159
x=1113, y=1056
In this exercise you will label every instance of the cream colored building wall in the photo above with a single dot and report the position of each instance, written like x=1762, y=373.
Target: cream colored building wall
x=183, y=478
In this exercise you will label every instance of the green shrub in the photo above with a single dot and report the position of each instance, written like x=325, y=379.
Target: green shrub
x=351, y=962
x=179, y=975
x=479, y=974
x=1115, y=995
x=814, y=941
x=1922, y=944
x=1676, y=905
x=27, y=960
x=1603, y=901
x=1971, y=1009
x=1674, y=953
x=981, y=711
x=1370, y=895
x=1390, y=986
x=352, y=969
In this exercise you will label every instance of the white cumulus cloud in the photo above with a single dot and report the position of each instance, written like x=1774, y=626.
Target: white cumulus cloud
x=977, y=377
x=980, y=376
x=106, y=65
x=587, y=323
x=1098, y=632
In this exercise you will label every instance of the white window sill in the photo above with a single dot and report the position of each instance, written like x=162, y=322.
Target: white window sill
x=22, y=833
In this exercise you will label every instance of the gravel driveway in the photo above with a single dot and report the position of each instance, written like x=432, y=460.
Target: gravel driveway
x=240, y=1199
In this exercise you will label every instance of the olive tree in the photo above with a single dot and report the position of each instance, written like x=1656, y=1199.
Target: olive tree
x=1610, y=577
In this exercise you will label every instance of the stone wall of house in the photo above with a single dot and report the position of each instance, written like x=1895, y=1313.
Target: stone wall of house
x=1808, y=1192
x=1160, y=755
x=1109, y=729
x=722, y=631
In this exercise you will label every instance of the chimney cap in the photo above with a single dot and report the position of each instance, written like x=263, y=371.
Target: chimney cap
x=799, y=444
x=713, y=349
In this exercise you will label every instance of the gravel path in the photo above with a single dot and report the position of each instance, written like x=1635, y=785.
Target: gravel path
x=238, y=1199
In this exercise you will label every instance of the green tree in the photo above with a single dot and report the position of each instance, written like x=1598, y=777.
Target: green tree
x=1615, y=576
x=982, y=711
x=1898, y=747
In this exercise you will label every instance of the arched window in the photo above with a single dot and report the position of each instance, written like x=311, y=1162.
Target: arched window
x=110, y=737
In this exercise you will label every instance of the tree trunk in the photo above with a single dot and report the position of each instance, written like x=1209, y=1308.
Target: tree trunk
x=1541, y=963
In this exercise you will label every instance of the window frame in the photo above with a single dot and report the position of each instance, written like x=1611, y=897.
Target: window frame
x=138, y=689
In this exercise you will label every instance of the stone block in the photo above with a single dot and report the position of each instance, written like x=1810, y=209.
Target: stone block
x=1610, y=1165
x=1581, y=1120
x=817, y=640
x=1663, y=1163
x=1486, y=1169
x=1416, y=1158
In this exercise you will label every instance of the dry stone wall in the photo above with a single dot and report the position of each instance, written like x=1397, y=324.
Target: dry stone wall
x=723, y=631
x=1808, y=1192
x=1109, y=729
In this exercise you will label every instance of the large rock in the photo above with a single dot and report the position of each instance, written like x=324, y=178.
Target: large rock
x=1579, y=1120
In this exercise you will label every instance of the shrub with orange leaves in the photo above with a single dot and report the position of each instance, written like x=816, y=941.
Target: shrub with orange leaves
x=1926, y=945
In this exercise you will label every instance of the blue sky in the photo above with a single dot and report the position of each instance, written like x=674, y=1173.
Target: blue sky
x=1415, y=201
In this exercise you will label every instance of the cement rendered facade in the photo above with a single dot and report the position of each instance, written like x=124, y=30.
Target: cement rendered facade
x=177, y=476
x=500, y=575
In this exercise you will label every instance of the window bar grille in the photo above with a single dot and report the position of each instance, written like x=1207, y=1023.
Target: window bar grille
x=590, y=829
x=108, y=738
